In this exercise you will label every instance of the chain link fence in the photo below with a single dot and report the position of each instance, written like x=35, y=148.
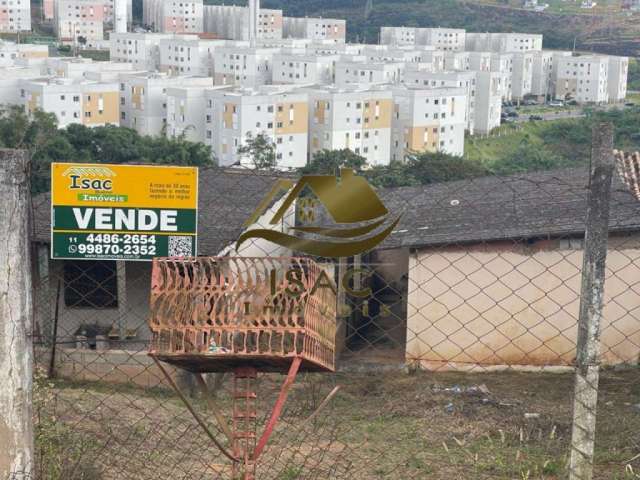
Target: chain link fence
x=457, y=363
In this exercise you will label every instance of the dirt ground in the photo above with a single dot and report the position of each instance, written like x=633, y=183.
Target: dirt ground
x=505, y=425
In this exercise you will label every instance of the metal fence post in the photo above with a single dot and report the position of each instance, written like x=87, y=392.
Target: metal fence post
x=16, y=308
x=591, y=304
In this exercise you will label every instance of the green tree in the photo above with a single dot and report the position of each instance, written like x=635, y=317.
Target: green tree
x=261, y=150
x=427, y=167
x=330, y=161
x=38, y=132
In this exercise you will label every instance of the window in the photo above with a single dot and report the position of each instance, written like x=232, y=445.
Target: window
x=90, y=284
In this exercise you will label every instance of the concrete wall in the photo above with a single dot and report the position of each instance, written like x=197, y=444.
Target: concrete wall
x=508, y=303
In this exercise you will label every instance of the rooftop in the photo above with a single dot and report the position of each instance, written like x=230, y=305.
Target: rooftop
x=534, y=205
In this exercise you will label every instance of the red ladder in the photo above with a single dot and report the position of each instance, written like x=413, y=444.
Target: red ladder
x=244, y=422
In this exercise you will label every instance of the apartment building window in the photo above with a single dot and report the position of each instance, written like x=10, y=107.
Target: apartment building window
x=279, y=125
x=208, y=118
x=87, y=114
x=123, y=116
x=270, y=125
x=209, y=134
x=62, y=97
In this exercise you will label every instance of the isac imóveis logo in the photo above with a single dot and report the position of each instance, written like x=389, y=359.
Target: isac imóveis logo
x=360, y=220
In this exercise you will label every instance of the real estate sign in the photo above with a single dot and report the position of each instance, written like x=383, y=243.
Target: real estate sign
x=123, y=212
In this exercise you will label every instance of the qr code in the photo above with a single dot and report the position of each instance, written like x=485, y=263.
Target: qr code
x=180, y=246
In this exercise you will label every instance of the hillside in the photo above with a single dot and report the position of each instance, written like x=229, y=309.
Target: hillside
x=608, y=32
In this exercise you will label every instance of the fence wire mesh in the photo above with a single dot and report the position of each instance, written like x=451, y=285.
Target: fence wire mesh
x=458, y=363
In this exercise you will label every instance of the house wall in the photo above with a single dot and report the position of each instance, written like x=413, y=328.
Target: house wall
x=508, y=304
x=134, y=310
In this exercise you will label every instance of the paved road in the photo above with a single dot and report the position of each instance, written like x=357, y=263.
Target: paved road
x=562, y=114
x=524, y=117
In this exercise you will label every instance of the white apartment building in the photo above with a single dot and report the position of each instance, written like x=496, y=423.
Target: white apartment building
x=72, y=101
x=15, y=16
x=289, y=68
x=142, y=50
x=522, y=75
x=110, y=8
x=502, y=63
x=186, y=112
x=583, y=79
x=446, y=39
x=315, y=28
x=231, y=117
x=489, y=92
x=10, y=52
x=457, y=61
x=143, y=99
x=188, y=55
x=354, y=118
x=174, y=16
x=244, y=66
x=75, y=20
x=232, y=22
x=47, y=9
x=368, y=73
x=428, y=120
x=11, y=79
x=422, y=79
x=386, y=53
x=483, y=61
x=542, y=76
x=503, y=42
x=617, y=81
x=78, y=68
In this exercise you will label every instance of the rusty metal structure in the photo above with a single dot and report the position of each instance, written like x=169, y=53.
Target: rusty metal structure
x=242, y=315
x=628, y=166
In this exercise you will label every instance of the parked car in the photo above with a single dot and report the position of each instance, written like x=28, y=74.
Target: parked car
x=530, y=102
x=512, y=114
x=534, y=118
x=556, y=103
x=629, y=104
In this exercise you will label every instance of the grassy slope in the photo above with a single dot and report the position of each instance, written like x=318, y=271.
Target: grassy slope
x=552, y=143
x=606, y=33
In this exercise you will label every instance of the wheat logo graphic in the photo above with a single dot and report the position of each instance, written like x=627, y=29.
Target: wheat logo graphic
x=360, y=219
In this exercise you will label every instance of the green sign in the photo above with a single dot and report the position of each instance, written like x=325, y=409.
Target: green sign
x=123, y=212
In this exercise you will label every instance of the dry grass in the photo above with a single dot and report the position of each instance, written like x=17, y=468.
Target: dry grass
x=392, y=426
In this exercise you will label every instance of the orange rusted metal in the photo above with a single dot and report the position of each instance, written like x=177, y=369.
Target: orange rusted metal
x=213, y=314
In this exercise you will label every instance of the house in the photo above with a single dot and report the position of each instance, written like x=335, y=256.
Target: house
x=493, y=271
x=478, y=274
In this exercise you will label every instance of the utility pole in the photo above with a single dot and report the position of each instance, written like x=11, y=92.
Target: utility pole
x=16, y=316
x=591, y=303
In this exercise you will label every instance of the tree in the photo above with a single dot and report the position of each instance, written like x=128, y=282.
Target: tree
x=428, y=167
x=330, y=161
x=38, y=132
x=261, y=150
